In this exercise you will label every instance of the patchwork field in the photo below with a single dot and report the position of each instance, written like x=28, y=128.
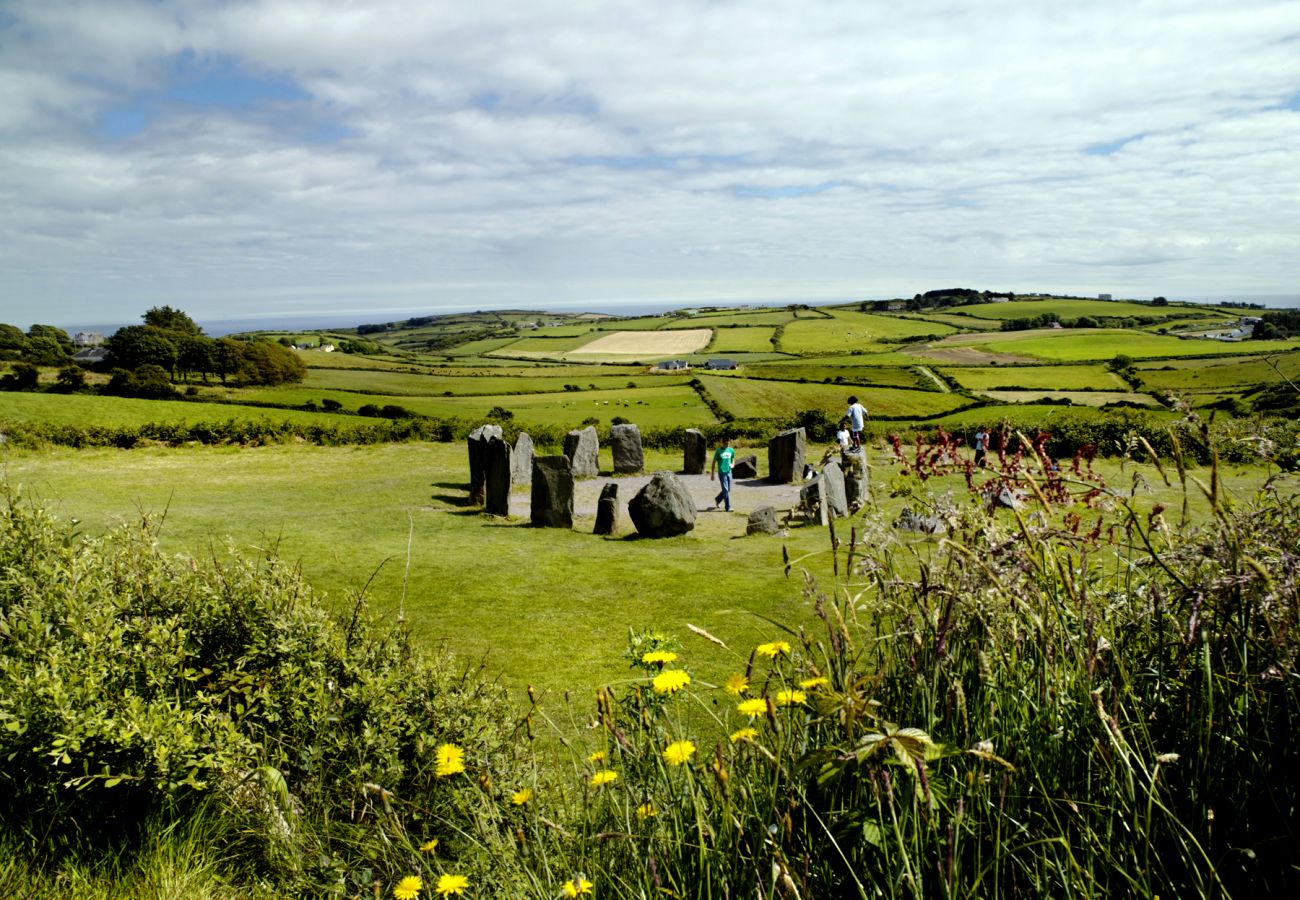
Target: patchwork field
x=1077, y=378
x=1078, y=344
x=1067, y=308
x=852, y=331
x=759, y=399
x=1082, y=398
x=740, y=340
x=641, y=343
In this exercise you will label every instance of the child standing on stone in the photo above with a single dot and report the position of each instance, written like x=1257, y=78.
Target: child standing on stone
x=857, y=416
x=722, y=458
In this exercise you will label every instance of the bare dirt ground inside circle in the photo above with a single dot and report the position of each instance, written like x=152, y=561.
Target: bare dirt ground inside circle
x=647, y=343
x=747, y=495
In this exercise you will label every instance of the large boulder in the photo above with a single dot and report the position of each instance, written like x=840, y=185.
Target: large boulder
x=763, y=521
x=582, y=447
x=496, y=477
x=663, y=508
x=521, y=460
x=745, y=467
x=478, y=439
x=607, y=510
x=625, y=445
x=552, y=494
x=695, y=452
x=785, y=456
x=833, y=490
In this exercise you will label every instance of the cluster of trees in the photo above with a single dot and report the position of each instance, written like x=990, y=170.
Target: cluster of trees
x=171, y=343
x=41, y=345
x=1283, y=323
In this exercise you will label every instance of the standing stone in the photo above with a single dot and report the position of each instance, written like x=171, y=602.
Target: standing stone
x=478, y=439
x=833, y=490
x=607, y=510
x=663, y=508
x=785, y=454
x=625, y=444
x=695, y=452
x=762, y=521
x=745, y=467
x=582, y=447
x=857, y=480
x=521, y=460
x=813, y=503
x=552, y=495
x=496, y=477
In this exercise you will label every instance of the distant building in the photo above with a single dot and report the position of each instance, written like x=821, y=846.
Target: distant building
x=87, y=339
x=673, y=365
x=90, y=355
x=327, y=348
x=1055, y=325
x=1105, y=297
x=719, y=364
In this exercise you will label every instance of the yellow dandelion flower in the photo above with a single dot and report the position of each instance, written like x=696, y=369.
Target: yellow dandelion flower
x=670, y=681
x=596, y=757
x=658, y=656
x=449, y=760
x=790, y=698
x=736, y=685
x=604, y=776
x=408, y=888
x=430, y=845
x=744, y=734
x=679, y=752
x=452, y=884
x=754, y=707
x=646, y=811
x=774, y=649
x=810, y=683
x=519, y=798
x=578, y=885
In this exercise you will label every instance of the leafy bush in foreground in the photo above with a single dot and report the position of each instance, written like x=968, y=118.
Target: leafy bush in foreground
x=135, y=685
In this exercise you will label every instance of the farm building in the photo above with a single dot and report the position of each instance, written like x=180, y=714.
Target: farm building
x=673, y=365
x=719, y=364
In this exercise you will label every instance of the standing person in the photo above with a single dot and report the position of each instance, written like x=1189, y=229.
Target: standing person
x=722, y=458
x=981, y=447
x=857, y=416
x=843, y=437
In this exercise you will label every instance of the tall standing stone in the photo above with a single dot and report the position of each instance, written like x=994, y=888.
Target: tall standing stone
x=478, y=439
x=582, y=447
x=695, y=452
x=857, y=479
x=521, y=460
x=607, y=510
x=625, y=445
x=812, y=502
x=552, y=494
x=496, y=477
x=833, y=490
x=785, y=456
x=663, y=508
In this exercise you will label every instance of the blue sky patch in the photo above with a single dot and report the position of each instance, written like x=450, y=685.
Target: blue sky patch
x=1109, y=148
x=785, y=191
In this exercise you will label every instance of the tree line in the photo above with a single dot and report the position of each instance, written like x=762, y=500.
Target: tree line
x=148, y=360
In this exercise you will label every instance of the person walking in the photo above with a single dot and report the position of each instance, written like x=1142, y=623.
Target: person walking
x=722, y=458
x=981, y=447
x=857, y=416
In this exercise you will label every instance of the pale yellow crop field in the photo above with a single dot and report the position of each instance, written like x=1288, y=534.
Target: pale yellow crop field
x=647, y=343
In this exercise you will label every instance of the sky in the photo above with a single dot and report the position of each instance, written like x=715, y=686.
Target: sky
x=290, y=158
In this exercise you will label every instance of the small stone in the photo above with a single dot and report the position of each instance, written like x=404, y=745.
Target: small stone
x=763, y=521
x=663, y=508
x=607, y=510
x=745, y=467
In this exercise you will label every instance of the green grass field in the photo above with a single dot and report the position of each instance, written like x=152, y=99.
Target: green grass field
x=1202, y=375
x=406, y=384
x=1082, y=398
x=1052, y=378
x=815, y=370
x=80, y=409
x=760, y=399
x=1068, y=308
x=742, y=340
x=1078, y=344
x=849, y=330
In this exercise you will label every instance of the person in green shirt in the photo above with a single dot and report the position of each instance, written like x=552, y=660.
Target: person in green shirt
x=722, y=458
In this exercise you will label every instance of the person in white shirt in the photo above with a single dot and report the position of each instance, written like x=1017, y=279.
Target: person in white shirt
x=857, y=416
x=843, y=437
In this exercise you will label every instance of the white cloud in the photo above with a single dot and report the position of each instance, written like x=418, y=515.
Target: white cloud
x=545, y=152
